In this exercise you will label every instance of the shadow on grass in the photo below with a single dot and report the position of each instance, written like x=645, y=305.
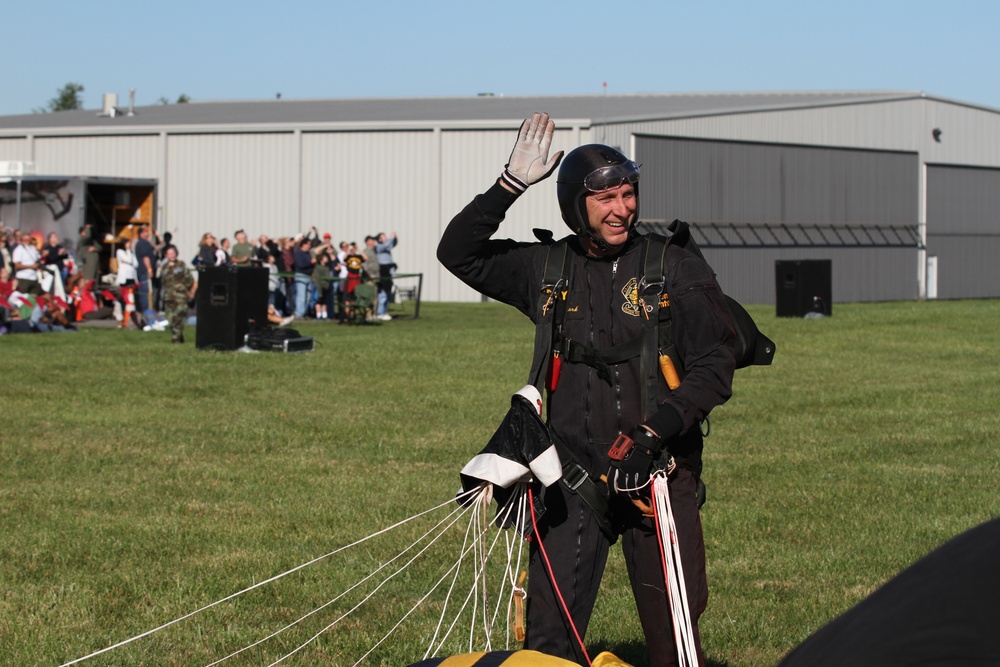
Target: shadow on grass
x=634, y=653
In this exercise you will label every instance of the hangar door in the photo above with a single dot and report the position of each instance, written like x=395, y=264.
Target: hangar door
x=963, y=230
x=755, y=203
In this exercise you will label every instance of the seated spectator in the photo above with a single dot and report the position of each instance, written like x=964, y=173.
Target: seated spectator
x=274, y=317
x=27, y=260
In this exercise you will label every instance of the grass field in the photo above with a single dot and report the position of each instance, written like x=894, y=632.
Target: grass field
x=141, y=480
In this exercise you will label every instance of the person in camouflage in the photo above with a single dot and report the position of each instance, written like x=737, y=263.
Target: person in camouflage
x=179, y=287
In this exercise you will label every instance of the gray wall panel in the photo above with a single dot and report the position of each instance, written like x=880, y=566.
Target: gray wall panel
x=963, y=200
x=858, y=274
x=716, y=181
x=967, y=266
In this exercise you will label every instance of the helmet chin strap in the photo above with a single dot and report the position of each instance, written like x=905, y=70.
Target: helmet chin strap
x=602, y=245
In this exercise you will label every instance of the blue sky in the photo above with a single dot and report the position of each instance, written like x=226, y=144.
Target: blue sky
x=227, y=50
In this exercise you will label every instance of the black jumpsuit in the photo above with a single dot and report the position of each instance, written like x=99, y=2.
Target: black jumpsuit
x=586, y=414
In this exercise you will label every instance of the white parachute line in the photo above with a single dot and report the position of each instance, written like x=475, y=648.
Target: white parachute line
x=458, y=614
x=680, y=613
x=479, y=578
x=465, y=552
x=357, y=584
x=479, y=502
x=510, y=573
x=265, y=582
x=372, y=593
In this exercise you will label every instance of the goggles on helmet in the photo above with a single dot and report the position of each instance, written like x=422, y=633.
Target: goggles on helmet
x=611, y=176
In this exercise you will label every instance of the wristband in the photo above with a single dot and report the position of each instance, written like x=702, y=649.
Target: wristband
x=513, y=181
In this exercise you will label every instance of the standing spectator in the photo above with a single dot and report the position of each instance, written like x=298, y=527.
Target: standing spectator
x=355, y=262
x=387, y=269
x=303, y=263
x=90, y=259
x=274, y=283
x=370, y=266
x=286, y=263
x=341, y=285
x=161, y=257
x=128, y=265
x=321, y=282
x=179, y=287
x=206, y=250
x=264, y=248
x=7, y=242
x=242, y=252
x=127, y=275
x=222, y=253
x=27, y=262
x=145, y=257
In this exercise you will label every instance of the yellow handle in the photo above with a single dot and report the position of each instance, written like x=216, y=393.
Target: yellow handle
x=669, y=372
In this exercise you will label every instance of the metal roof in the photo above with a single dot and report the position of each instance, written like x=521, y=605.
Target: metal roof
x=586, y=110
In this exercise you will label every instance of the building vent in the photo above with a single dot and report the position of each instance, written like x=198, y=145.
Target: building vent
x=110, y=104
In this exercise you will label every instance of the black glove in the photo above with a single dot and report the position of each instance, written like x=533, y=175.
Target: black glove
x=632, y=458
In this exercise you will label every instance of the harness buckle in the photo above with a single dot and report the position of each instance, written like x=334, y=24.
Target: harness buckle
x=552, y=289
x=574, y=475
x=650, y=288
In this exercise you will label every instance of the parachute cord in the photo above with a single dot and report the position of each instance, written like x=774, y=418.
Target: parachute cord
x=673, y=572
x=457, y=511
x=552, y=577
x=268, y=581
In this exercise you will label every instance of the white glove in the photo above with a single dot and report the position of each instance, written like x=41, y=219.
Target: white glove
x=529, y=161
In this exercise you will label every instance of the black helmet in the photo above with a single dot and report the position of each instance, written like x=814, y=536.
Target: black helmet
x=592, y=168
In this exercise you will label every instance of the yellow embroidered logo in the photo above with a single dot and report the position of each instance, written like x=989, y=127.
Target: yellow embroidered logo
x=631, y=294
x=664, y=300
x=574, y=309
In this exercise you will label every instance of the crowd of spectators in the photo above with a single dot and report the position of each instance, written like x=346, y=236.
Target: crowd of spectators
x=46, y=286
x=310, y=275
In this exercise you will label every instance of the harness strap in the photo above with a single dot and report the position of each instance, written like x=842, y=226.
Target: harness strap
x=650, y=287
x=553, y=281
x=579, y=353
x=577, y=480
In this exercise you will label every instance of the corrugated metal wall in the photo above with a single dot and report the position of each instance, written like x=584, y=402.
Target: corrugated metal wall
x=858, y=274
x=968, y=136
x=722, y=181
x=352, y=182
x=129, y=156
x=747, y=182
x=223, y=182
x=16, y=149
x=963, y=222
x=360, y=183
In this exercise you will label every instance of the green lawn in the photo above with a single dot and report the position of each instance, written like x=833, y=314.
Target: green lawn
x=140, y=480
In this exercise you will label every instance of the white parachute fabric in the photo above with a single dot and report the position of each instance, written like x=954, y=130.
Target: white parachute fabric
x=519, y=451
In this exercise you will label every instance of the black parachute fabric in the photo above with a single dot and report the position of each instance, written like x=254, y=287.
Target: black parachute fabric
x=942, y=610
x=519, y=451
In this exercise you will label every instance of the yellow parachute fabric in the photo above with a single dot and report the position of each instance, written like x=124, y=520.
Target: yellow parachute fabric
x=516, y=659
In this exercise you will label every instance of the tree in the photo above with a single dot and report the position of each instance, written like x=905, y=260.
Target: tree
x=68, y=98
x=182, y=99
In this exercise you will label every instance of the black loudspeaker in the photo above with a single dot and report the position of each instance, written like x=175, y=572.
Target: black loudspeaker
x=228, y=299
x=803, y=287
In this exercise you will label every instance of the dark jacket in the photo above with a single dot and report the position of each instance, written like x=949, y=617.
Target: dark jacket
x=586, y=412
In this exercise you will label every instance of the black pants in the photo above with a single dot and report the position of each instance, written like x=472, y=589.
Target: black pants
x=578, y=552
